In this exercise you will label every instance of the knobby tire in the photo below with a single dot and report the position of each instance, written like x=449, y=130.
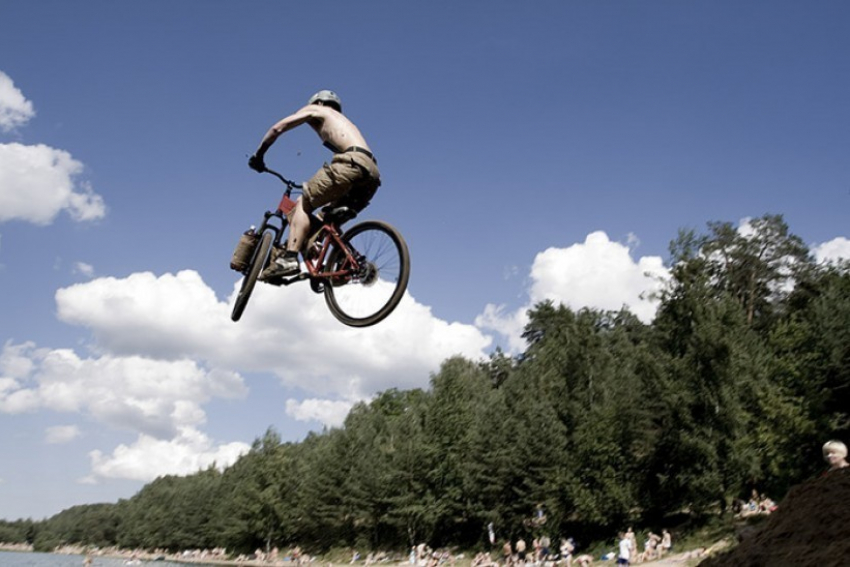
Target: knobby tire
x=258, y=262
x=366, y=301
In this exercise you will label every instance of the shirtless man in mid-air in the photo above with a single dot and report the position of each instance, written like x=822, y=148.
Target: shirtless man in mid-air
x=351, y=178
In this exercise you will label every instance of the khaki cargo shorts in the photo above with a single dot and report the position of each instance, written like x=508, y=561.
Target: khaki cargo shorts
x=352, y=178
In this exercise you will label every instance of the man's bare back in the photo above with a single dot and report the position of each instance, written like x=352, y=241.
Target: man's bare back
x=335, y=130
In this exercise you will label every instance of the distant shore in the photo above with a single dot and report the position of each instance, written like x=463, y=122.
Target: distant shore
x=193, y=557
x=198, y=557
x=217, y=557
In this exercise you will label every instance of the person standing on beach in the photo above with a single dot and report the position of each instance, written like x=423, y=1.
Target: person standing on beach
x=507, y=553
x=625, y=554
x=666, y=542
x=520, y=551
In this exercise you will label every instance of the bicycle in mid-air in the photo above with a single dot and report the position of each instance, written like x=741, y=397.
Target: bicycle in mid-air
x=362, y=272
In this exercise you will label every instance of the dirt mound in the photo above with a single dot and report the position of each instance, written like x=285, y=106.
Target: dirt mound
x=810, y=528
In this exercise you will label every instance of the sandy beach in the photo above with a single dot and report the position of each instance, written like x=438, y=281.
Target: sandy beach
x=218, y=557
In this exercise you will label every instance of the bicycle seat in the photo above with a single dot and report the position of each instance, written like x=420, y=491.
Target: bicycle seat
x=338, y=215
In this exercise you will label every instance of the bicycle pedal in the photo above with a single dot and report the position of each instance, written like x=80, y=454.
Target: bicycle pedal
x=276, y=281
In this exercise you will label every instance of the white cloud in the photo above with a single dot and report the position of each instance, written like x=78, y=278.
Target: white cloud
x=833, y=251
x=38, y=182
x=287, y=331
x=508, y=324
x=165, y=317
x=85, y=269
x=149, y=457
x=148, y=330
x=598, y=273
x=161, y=400
x=154, y=397
x=331, y=413
x=16, y=361
x=15, y=109
x=61, y=434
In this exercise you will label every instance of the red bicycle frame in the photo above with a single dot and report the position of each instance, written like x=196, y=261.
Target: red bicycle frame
x=314, y=263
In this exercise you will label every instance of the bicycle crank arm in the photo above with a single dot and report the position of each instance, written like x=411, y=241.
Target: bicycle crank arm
x=296, y=278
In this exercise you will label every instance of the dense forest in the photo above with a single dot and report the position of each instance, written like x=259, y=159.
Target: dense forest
x=602, y=421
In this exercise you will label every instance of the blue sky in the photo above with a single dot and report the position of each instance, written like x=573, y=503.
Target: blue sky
x=529, y=151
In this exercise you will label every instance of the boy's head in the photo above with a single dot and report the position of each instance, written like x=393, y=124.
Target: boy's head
x=835, y=453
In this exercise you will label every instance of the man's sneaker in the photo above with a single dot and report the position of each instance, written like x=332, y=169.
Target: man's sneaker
x=281, y=267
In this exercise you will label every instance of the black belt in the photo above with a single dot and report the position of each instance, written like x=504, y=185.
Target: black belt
x=360, y=150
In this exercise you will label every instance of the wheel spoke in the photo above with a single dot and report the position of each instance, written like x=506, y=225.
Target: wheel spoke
x=371, y=294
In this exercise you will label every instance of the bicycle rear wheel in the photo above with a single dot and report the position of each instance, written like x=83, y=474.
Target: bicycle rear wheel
x=368, y=295
x=257, y=264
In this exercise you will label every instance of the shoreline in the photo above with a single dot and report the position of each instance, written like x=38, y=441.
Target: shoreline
x=193, y=557
x=206, y=557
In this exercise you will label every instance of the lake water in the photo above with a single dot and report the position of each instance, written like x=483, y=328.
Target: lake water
x=17, y=559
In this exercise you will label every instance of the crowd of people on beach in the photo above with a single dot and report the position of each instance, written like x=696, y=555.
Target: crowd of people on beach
x=654, y=547
x=758, y=504
x=274, y=556
x=541, y=553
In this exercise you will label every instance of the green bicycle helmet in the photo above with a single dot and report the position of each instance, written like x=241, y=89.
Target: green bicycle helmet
x=328, y=98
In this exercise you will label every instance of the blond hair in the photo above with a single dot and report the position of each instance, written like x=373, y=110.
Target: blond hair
x=835, y=446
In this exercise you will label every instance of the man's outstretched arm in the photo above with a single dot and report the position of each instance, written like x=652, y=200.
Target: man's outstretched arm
x=256, y=161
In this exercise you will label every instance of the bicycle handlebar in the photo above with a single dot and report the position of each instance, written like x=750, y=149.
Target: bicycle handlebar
x=290, y=184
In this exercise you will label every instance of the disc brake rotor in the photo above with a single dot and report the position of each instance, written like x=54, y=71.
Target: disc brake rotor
x=368, y=274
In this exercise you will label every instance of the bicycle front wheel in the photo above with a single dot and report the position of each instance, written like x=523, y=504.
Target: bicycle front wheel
x=258, y=262
x=368, y=294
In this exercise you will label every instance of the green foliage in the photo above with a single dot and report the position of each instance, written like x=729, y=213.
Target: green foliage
x=601, y=422
x=19, y=531
x=172, y=513
x=92, y=524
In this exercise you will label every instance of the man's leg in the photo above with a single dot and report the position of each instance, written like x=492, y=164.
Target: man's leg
x=299, y=226
x=299, y=231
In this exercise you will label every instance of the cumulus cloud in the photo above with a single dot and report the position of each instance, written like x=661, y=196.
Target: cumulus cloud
x=16, y=361
x=15, y=109
x=507, y=323
x=288, y=332
x=61, y=434
x=38, y=182
x=158, y=331
x=835, y=250
x=149, y=457
x=165, y=317
x=165, y=345
x=154, y=397
x=161, y=400
x=331, y=413
x=597, y=273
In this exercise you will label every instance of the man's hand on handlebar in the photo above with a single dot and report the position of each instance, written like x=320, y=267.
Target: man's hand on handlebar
x=256, y=163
